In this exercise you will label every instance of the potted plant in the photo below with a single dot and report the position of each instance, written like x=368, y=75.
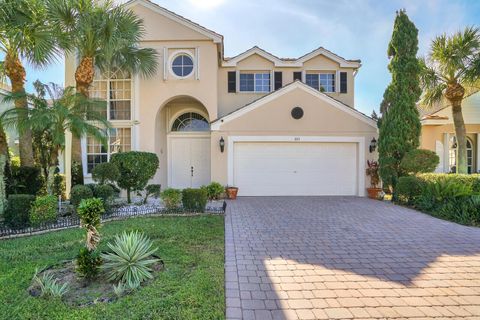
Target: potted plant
x=372, y=171
x=231, y=192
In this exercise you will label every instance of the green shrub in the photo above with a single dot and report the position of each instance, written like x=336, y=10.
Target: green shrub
x=408, y=189
x=78, y=193
x=136, y=168
x=454, y=197
x=106, y=172
x=44, y=209
x=77, y=173
x=419, y=161
x=17, y=213
x=90, y=211
x=91, y=186
x=130, y=260
x=214, y=190
x=59, y=187
x=194, y=199
x=88, y=263
x=152, y=190
x=171, y=198
x=104, y=192
x=25, y=180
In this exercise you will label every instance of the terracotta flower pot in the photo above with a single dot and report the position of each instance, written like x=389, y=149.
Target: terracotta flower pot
x=232, y=193
x=374, y=193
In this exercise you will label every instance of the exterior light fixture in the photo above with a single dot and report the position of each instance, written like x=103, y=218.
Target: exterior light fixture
x=222, y=144
x=373, y=145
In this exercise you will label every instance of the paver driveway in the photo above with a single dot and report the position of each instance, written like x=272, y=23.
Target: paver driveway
x=347, y=257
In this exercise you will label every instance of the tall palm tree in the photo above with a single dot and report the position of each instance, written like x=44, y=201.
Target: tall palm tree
x=26, y=36
x=450, y=74
x=56, y=110
x=103, y=36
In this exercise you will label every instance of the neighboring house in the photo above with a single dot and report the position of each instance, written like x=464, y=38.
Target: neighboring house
x=438, y=134
x=12, y=134
x=270, y=126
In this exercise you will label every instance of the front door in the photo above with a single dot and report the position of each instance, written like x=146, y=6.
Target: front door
x=189, y=161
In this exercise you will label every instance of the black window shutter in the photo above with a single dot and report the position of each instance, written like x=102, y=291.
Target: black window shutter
x=232, y=81
x=297, y=75
x=278, y=79
x=343, y=82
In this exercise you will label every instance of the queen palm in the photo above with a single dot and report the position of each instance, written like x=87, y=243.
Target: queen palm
x=104, y=37
x=24, y=36
x=56, y=110
x=450, y=74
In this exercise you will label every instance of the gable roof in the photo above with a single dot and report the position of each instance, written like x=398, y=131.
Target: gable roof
x=217, y=38
x=216, y=124
x=291, y=62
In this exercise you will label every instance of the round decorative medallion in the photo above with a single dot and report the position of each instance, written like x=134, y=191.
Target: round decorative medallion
x=297, y=113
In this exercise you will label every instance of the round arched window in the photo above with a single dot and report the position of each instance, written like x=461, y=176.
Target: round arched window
x=182, y=65
x=453, y=155
x=190, y=121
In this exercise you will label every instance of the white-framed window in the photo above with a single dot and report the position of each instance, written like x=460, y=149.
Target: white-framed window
x=119, y=140
x=324, y=82
x=116, y=89
x=182, y=65
x=452, y=155
x=255, y=82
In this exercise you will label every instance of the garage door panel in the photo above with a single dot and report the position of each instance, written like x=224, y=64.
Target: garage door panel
x=263, y=169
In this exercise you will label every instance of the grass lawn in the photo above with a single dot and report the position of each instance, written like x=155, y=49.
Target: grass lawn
x=190, y=287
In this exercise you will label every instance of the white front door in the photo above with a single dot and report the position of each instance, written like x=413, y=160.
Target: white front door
x=295, y=169
x=189, y=161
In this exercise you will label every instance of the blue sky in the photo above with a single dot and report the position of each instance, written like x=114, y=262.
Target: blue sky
x=354, y=29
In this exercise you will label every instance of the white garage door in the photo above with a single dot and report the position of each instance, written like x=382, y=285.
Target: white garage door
x=301, y=168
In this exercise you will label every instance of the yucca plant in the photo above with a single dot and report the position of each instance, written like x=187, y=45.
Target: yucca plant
x=49, y=285
x=130, y=260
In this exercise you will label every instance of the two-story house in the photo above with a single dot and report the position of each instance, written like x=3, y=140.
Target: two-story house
x=268, y=125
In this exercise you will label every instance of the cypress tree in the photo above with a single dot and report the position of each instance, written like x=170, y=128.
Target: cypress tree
x=400, y=126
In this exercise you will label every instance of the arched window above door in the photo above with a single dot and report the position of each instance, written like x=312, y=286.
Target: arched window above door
x=190, y=121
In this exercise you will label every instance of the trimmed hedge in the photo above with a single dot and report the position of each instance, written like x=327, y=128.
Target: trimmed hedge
x=18, y=210
x=171, y=198
x=453, y=197
x=44, y=209
x=194, y=199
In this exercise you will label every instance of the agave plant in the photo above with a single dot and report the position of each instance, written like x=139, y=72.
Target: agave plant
x=49, y=285
x=130, y=260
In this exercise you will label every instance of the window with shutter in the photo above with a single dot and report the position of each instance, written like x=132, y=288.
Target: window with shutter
x=232, y=81
x=343, y=82
x=297, y=75
x=278, y=79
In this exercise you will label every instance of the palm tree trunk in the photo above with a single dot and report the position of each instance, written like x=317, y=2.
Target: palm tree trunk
x=51, y=169
x=461, y=135
x=3, y=162
x=83, y=80
x=16, y=73
x=455, y=93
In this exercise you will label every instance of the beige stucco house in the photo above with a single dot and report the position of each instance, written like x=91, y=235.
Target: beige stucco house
x=269, y=125
x=438, y=134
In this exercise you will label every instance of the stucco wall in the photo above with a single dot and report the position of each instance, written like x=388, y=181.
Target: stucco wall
x=274, y=118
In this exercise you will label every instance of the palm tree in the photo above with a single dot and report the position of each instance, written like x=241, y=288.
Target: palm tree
x=24, y=36
x=104, y=37
x=56, y=110
x=450, y=74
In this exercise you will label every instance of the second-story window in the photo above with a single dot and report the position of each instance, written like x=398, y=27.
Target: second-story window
x=255, y=82
x=115, y=88
x=324, y=82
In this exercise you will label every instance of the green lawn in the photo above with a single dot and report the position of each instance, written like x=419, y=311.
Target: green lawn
x=191, y=287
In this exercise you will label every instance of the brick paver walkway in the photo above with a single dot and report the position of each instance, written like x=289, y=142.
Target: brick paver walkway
x=347, y=258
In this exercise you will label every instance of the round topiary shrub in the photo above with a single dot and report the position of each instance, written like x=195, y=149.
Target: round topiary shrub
x=104, y=192
x=419, y=161
x=78, y=193
x=44, y=209
x=106, y=172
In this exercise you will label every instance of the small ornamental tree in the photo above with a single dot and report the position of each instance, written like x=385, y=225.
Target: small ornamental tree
x=105, y=172
x=419, y=161
x=400, y=125
x=136, y=168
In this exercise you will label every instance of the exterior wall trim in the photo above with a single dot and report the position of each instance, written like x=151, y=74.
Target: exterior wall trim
x=216, y=125
x=301, y=139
